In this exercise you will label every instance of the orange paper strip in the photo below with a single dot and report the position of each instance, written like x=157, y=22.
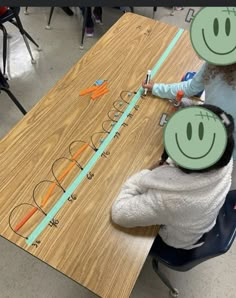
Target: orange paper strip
x=51, y=189
x=89, y=90
x=98, y=94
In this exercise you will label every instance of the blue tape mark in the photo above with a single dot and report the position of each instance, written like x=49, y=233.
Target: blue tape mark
x=58, y=205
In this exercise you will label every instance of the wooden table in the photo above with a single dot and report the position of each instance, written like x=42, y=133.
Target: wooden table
x=85, y=245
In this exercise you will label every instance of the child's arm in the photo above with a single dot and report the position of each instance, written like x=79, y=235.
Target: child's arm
x=138, y=206
x=190, y=87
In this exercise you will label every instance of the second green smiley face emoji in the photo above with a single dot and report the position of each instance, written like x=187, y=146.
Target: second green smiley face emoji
x=195, y=138
x=213, y=34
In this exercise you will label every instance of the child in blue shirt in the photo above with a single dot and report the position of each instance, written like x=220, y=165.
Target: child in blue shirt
x=219, y=83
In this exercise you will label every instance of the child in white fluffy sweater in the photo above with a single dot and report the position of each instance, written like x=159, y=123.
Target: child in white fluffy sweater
x=184, y=202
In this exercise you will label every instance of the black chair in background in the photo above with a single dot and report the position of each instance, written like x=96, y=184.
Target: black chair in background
x=4, y=86
x=69, y=12
x=12, y=16
x=216, y=242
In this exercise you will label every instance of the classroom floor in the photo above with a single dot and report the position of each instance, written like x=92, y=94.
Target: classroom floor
x=22, y=275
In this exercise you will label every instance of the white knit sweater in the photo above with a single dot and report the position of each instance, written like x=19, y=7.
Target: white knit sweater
x=186, y=205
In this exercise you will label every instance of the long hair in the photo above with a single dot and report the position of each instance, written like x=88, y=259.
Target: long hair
x=225, y=158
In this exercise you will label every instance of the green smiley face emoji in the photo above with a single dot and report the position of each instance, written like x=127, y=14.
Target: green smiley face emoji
x=195, y=138
x=213, y=34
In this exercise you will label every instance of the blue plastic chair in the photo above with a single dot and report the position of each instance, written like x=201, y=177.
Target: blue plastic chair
x=216, y=242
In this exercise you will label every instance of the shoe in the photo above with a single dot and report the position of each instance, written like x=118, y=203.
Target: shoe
x=89, y=32
x=97, y=19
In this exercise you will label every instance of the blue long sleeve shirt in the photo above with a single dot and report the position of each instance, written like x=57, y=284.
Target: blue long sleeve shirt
x=217, y=92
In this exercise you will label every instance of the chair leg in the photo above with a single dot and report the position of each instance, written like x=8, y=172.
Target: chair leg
x=29, y=49
x=20, y=27
x=83, y=28
x=173, y=291
x=154, y=11
x=31, y=39
x=172, y=11
x=3, y=81
x=4, y=52
x=22, y=31
x=25, y=35
x=14, y=99
x=48, y=27
x=26, y=10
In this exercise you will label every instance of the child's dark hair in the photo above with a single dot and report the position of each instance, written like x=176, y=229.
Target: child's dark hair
x=225, y=158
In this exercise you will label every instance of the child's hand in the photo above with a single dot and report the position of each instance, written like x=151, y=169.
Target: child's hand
x=148, y=86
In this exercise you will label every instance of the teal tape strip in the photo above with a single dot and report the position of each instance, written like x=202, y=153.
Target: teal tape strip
x=43, y=224
x=167, y=52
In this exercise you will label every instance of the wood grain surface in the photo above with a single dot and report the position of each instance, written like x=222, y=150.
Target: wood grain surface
x=85, y=245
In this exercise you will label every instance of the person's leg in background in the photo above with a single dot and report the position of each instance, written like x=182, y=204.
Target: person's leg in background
x=97, y=12
x=89, y=22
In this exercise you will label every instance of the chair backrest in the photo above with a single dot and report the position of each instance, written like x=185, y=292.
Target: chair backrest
x=3, y=9
x=216, y=242
x=9, y=14
x=221, y=237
